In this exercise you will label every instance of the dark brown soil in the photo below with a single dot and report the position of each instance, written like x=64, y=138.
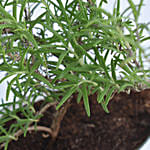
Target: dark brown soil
x=126, y=127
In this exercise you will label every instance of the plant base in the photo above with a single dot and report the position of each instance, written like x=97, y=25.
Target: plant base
x=126, y=126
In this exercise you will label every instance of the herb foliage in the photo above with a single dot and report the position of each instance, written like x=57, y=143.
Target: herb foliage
x=76, y=47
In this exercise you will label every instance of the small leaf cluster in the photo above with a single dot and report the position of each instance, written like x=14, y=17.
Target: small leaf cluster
x=71, y=47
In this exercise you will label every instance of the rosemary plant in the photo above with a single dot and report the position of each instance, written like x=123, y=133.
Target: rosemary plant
x=68, y=47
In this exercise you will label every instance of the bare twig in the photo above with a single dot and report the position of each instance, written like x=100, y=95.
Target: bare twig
x=32, y=128
x=55, y=127
x=59, y=115
x=46, y=107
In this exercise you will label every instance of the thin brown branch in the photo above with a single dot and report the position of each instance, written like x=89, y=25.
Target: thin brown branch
x=59, y=115
x=46, y=107
x=32, y=128
x=55, y=127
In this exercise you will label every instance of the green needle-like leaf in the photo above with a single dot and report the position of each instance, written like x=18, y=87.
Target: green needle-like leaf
x=42, y=79
x=101, y=93
x=107, y=99
x=66, y=96
x=9, y=87
x=85, y=99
